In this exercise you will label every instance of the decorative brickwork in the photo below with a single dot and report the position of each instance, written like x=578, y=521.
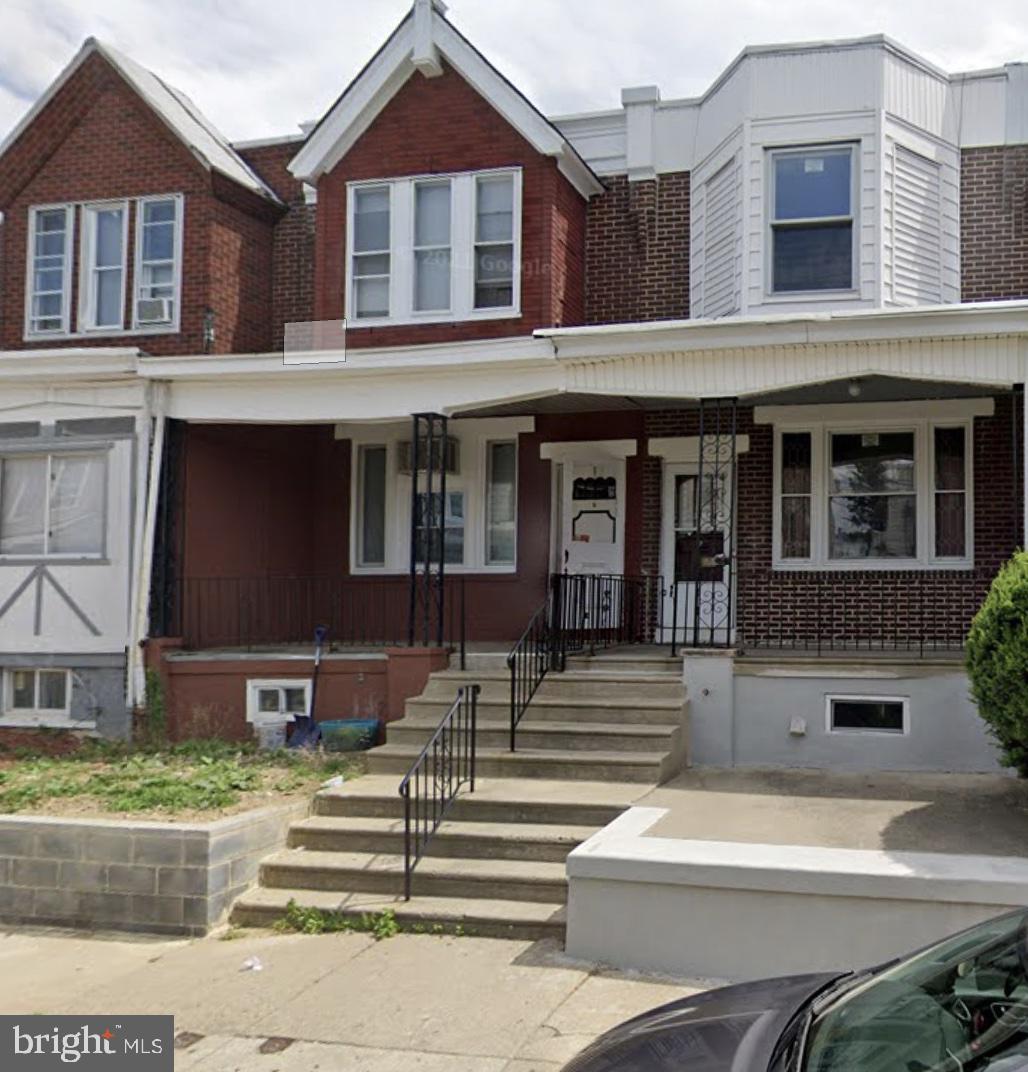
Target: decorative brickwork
x=637, y=250
x=994, y=223
x=440, y=125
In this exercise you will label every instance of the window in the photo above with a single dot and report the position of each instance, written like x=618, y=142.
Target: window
x=444, y=247
x=494, y=242
x=501, y=502
x=431, y=246
x=453, y=527
x=811, y=220
x=857, y=495
x=104, y=287
x=868, y=714
x=157, y=261
x=371, y=257
x=372, y=506
x=102, y=293
x=37, y=692
x=52, y=504
x=49, y=250
x=270, y=701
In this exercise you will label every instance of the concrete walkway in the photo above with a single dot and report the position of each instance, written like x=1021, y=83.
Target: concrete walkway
x=335, y=1002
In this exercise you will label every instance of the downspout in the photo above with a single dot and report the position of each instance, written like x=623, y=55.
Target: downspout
x=136, y=677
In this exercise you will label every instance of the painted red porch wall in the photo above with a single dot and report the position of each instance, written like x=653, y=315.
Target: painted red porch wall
x=437, y=125
x=274, y=500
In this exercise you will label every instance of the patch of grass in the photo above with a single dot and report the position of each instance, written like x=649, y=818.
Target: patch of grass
x=379, y=925
x=192, y=776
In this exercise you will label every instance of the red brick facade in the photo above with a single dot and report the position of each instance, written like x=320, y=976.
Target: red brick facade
x=97, y=139
x=994, y=223
x=441, y=125
x=637, y=251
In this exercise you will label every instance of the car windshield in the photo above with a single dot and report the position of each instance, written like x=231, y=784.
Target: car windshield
x=960, y=1006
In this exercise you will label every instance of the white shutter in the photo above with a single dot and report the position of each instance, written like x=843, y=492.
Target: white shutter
x=917, y=229
x=721, y=239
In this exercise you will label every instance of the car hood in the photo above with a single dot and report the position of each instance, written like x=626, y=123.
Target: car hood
x=734, y=1028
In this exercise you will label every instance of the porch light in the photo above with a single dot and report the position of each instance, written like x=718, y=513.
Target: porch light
x=208, y=330
x=854, y=388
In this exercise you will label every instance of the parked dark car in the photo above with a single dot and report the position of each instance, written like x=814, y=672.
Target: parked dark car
x=960, y=1005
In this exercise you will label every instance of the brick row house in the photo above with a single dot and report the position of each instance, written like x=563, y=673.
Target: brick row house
x=751, y=364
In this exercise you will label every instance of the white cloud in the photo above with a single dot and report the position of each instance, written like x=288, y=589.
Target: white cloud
x=258, y=69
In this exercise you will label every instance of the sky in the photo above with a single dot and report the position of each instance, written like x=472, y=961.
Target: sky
x=256, y=70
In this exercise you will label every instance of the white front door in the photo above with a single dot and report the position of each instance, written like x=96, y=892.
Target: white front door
x=592, y=517
x=695, y=556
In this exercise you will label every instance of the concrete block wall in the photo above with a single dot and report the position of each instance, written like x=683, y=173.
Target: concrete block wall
x=152, y=877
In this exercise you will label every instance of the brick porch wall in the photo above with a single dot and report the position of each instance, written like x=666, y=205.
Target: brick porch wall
x=892, y=607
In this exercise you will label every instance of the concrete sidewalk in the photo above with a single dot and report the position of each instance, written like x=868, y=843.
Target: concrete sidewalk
x=335, y=1002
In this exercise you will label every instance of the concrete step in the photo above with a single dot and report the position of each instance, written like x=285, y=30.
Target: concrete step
x=653, y=767
x=481, y=660
x=488, y=918
x=515, y=880
x=482, y=840
x=495, y=800
x=623, y=661
x=611, y=709
x=539, y=733
x=574, y=684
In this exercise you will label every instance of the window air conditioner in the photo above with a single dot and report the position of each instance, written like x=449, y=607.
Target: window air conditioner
x=450, y=448
x=154, y=311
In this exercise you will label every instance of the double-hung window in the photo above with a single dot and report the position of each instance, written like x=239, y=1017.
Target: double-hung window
x=49, y=267
x=856, y=496
x=158, y=232
x=501, y=503
x=811, y=219
x=434, y=248
x=52, y=504
x=103, y=251
x=95, y=237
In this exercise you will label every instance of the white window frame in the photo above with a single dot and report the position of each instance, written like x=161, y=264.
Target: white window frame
x=463, y=188
x=36, y=711
x=68, y=267
x=255, y=685
x=772, y=154
x=360, y=452
x=61, y=556
x=75, y=245
x=486, y=471
x=474, y=435
x=137, y=271
x=87, y=268
x=923, y=429
x=415, y=248
x=832, y=730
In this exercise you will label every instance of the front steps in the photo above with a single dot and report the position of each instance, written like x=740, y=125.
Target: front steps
x=591, y=742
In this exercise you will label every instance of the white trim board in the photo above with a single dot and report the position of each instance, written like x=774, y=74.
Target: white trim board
x=850, y=412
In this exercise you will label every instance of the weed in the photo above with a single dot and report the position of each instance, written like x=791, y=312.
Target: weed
x=379, y=925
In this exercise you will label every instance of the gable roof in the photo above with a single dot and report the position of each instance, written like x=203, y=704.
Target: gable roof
x=418, y=43
x=173, y=107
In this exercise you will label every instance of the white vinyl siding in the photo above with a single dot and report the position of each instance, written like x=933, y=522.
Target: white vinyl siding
x=916, y=204
x=434, y=248
x=721, y=223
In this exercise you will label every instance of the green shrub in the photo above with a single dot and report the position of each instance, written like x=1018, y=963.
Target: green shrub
x=997, y=662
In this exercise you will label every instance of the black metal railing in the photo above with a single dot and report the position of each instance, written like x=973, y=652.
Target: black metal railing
x=825, y=612
x=581, y=613
x=258, y=612
x=446, y=764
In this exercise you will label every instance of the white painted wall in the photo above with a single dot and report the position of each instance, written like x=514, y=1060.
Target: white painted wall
x=725, y=910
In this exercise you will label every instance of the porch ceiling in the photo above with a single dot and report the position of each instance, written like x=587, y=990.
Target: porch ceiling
x=573, y=402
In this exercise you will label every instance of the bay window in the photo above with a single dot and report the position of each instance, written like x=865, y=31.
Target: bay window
x=873, y=496
x=811, y=219
x=434, y=248
x=105, y=290
x=52, y=504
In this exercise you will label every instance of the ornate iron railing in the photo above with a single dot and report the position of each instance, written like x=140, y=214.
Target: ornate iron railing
x=582, y=613
x=446, y=764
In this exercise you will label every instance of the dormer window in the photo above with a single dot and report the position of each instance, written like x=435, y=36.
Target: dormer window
x=812, y=220
x=434, y=248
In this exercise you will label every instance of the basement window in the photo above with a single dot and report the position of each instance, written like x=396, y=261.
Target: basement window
x=868, y=714
x=37, y=692
x=268, y=700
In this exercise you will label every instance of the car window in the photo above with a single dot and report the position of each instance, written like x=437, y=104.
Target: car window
x=960, y=1006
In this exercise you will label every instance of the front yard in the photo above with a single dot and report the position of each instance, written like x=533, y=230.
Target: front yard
x=186, y=782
